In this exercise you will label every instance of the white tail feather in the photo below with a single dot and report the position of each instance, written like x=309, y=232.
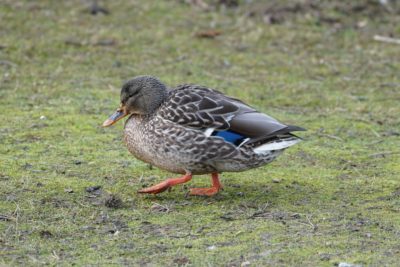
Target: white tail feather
x=276, y=145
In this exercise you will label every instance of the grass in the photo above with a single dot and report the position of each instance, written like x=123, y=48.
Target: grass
x=333, y=198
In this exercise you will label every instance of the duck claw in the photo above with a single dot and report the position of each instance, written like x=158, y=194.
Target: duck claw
x=210, y=191
x=161, y=187
x=155, y=189
x=204, y=191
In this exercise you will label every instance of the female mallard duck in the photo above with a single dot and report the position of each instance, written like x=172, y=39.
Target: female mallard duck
x=196, y=130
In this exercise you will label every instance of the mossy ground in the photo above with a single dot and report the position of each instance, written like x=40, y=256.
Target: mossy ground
x=333, y=198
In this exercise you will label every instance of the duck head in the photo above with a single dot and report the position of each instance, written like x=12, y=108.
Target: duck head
x=141, y=95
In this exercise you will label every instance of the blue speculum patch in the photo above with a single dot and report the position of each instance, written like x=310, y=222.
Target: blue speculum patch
x=230, y=136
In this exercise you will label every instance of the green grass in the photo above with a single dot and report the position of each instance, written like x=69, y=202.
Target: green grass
x=333, y=198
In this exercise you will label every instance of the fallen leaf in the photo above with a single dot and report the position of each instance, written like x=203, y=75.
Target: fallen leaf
x=208, y=34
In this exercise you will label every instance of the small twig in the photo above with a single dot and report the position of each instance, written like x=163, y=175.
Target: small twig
x=182, y=236
x=260, y=212
x=376, y=133
x=4, y=217
x=16, y=215
x=331, y=136
x=166, y=209
x=383, y=154
x=385, y=39
x=55, y=255
x=141, y=178
x=314, y=227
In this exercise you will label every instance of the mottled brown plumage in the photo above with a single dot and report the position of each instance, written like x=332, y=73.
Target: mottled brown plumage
x=196, y=130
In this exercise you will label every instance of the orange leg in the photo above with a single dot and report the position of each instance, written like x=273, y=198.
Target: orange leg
x=216, y=186
x=161, y=187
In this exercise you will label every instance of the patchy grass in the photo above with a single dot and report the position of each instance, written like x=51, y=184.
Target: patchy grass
x=68, y=187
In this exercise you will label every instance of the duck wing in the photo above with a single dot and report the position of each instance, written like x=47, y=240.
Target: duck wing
x=217, y=114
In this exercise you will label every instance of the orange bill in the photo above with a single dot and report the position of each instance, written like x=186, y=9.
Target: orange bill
x=119, y=114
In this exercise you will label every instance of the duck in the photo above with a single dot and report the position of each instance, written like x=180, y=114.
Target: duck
x=193, y=130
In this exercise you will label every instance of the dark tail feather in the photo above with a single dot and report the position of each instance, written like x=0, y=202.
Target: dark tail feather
x=293, y=128
x=285, y=131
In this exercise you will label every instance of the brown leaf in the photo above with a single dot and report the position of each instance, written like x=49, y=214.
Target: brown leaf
x=208, y=34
